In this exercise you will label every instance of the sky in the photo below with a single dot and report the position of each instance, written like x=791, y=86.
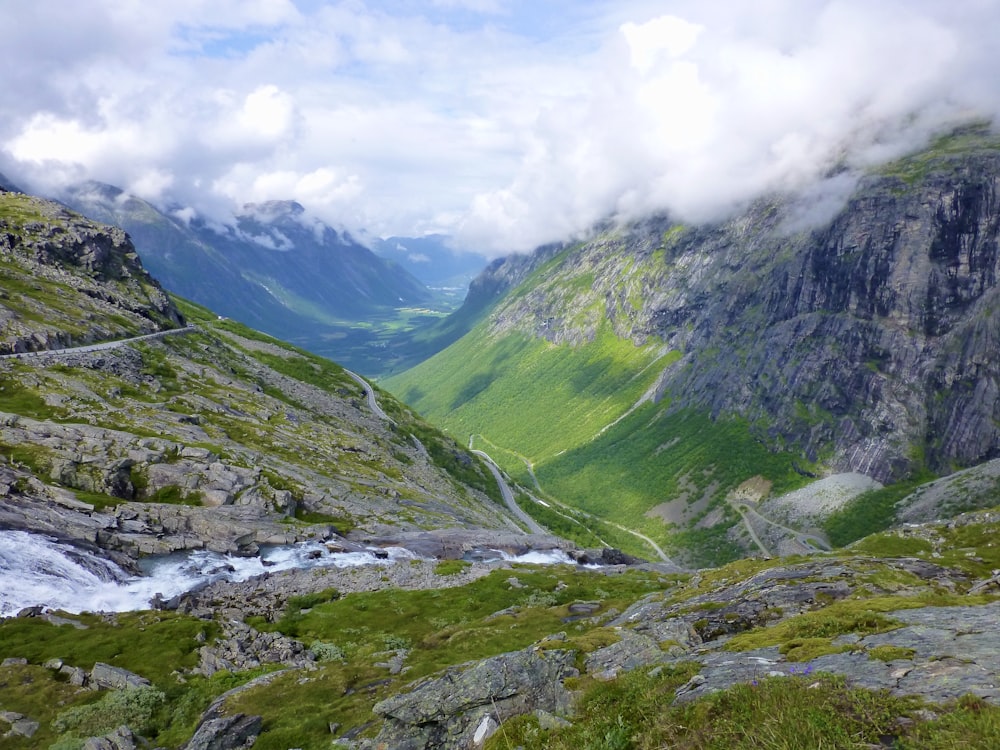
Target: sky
x=505, y=123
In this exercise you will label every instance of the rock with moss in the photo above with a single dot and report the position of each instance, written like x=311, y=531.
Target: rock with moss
x=465, y=705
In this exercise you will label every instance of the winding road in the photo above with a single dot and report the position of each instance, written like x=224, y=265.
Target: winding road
x=806, y=542
x=370, y=393
x=653, y=545
x=103, y=346
x=508, y=496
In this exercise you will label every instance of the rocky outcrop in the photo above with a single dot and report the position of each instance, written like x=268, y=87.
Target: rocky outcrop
x=466, y=705
x=244, y=648
x=49, y=247
x=19, y=725
x=120, y=739
x=226, y=733
x=106, y=677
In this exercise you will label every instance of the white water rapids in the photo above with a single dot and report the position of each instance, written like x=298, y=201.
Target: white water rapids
x=38, y=570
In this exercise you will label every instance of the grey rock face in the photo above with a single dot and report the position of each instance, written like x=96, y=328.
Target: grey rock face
x=461, y=708
x=120, y=739
x=226, y=733
x=20, y=725
x=99, y=261
x=106, y=677
x=244, y=648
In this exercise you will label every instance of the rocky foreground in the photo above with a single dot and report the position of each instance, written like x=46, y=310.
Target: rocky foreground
x=917, y=622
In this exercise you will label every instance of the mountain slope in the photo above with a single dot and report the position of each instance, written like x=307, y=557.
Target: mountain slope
x=866, y=344
x=240, y=432
x=274, y=270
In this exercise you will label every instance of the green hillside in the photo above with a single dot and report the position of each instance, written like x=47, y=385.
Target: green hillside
x=571, y=422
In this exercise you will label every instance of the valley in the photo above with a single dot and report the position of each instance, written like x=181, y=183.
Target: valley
x=651, y=372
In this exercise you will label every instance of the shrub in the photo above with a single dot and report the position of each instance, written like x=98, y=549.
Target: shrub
x=135, y=707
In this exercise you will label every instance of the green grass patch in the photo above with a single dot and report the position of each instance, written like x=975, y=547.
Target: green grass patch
x=562, y=522
x=653, y=456
x=16, y=399
x=962, y=141
x=451, y=567
x=636, y=712
x=838, y=618
x=526, y=393
x=151, y=644
x=890, y=653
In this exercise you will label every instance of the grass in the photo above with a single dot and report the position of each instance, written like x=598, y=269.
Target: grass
x=152, y=644
x=439, y=627
x=637, y=712
x=572, y=392
x=913, y=169
x=652, y=456
x=17, y=399
x=524, y=399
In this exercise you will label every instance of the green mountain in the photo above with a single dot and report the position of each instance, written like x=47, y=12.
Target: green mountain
x=661, y=376
x=274, y=269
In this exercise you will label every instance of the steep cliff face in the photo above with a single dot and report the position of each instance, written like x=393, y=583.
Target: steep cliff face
x=69, y=281
x=868, y=343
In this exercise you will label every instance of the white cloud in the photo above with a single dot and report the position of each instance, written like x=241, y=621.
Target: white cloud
x=701, y=114
x=513, y=122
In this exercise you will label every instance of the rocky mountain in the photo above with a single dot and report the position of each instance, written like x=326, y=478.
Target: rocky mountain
x=865, y=344
x=274, y=269
x=70, y=282
x=240, y=433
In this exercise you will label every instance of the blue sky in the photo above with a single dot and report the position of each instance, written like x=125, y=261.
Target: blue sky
x=506, y=123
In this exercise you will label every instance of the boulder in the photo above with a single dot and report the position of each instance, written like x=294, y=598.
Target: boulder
x=461, y=708
x=120, y=739
x=226, y=733
x=105, y=677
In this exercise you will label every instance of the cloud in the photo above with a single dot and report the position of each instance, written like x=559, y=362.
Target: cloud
x=509, y=122
x=700, y=114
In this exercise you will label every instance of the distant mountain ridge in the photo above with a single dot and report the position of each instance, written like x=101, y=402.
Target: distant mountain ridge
x=432, y=259
x=274, y=269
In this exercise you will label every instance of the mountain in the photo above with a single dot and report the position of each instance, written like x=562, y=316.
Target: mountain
x=230, y=542
x=434, y=261
x=274, y=269
x=277, y=430
x=664, y=375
